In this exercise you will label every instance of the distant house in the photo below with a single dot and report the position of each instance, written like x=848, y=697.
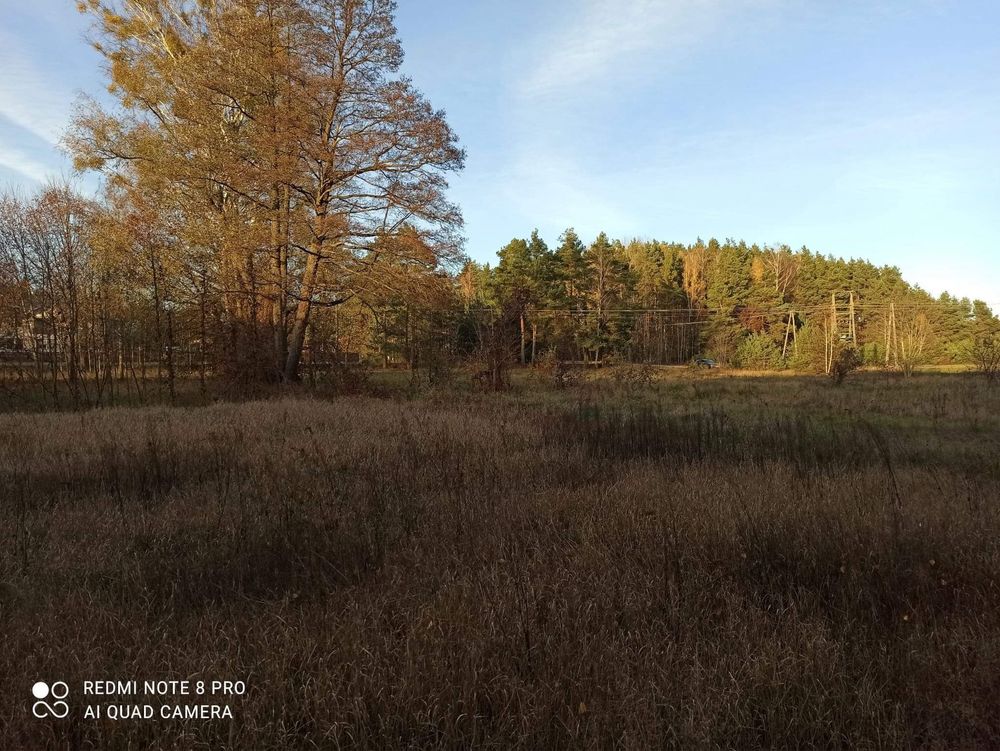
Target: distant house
x=45, y=333
x=38, y=337
x=11, y=347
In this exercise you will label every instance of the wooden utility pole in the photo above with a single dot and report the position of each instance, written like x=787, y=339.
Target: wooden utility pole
x=853, y=331
x=522, y=340
x=891, y=337
x=827, y=346
x=840, y=320
x=831, y=334
x=888, y=337
x=789, y=333
x=833, y=312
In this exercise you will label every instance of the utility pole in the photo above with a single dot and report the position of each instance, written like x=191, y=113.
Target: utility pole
x=843, y=318
x=892, y=337
x=523, y=343
x=831, y=334
x=853, y=326
x=789, y=333
x=888, y=335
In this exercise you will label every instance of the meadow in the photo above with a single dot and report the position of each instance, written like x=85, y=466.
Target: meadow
x=677, y=562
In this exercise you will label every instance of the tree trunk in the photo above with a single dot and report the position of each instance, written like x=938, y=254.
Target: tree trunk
x=523, y=355
x=202, y=332
x=298, y=335
x=171, y=388
x=278, y=314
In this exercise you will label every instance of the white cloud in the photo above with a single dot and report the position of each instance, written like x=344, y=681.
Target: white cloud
x=23, y=163
x=607, y=37
x=604, y=42
x=29, y=98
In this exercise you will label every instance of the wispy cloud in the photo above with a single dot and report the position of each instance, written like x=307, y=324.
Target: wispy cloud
x=30, y=98
x=23, y=163
x=43, y=65
x=604, y=47
x=608, y=36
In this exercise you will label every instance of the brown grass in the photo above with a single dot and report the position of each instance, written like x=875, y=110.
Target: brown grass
x=707, y=563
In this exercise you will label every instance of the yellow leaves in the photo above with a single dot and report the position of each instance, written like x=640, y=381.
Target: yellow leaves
x=113, y=22
x=172, y=43
x=84, y=162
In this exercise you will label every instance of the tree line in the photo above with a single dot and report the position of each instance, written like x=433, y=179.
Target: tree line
x=744, y=305
x=274, y=205
x=91, y=295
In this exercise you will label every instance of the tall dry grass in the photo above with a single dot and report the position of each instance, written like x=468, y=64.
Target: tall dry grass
x=712, y=563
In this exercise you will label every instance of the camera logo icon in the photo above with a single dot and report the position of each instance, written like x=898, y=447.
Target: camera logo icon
x=57, y=708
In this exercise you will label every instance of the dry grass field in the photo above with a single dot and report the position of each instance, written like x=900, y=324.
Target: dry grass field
x=696, y=563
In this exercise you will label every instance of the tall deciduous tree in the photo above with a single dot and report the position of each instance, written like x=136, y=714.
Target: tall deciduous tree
x=286, y=138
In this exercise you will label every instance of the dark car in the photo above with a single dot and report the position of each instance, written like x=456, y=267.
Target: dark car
x=706, y=363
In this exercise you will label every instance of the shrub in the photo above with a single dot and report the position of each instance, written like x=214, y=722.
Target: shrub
x=758, y=352
x=631, y=375
x=872, y=353
x=554, y=371
x=808, y=355
x=845, y=361
x=985, y=351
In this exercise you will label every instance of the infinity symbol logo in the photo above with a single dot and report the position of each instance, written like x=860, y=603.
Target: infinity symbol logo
x=58, y=709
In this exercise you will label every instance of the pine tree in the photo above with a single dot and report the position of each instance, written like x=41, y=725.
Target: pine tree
x=606, y=271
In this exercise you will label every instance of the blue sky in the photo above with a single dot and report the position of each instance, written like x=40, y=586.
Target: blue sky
x=867, y=129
